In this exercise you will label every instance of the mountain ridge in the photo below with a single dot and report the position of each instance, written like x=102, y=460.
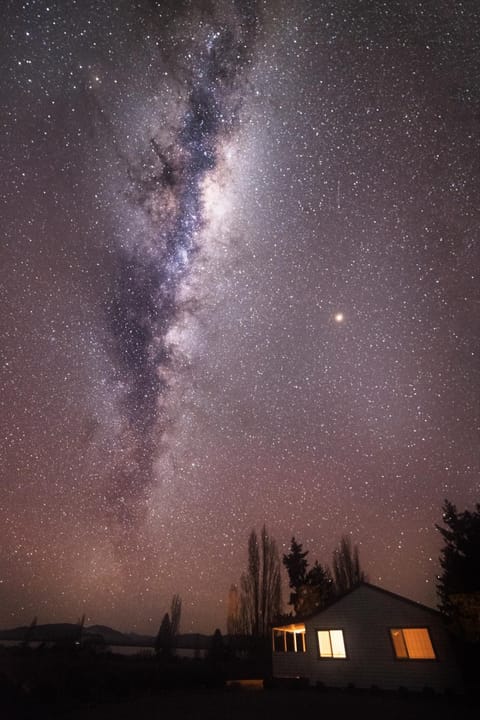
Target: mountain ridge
x=57, y=632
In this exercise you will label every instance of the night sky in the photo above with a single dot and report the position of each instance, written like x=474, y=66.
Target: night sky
x=239, y=285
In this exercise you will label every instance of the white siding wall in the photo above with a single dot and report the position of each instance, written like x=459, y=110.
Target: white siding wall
x=291, y=665
x=365, y=616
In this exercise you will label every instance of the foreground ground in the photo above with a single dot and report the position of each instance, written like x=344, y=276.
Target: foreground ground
x=258, y=704
x=61, y=685
x=228, y=704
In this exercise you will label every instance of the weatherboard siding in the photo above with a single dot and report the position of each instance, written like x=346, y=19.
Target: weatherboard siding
x=366, y=616
x=291, y=665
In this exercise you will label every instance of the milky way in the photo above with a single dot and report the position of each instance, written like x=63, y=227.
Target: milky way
x=206, y=49
x=239, y=281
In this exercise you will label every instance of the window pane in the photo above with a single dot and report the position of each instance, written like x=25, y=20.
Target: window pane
x=324, y=643
x=289, y=638
x=398, y=643
x=418, y=644
x=290, y=642
x=330, y=643
x=338, y=646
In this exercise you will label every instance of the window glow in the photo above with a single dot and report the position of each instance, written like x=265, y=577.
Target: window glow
x=412, y=644
x=338, y=646
x=289, y=638
x=331, y=644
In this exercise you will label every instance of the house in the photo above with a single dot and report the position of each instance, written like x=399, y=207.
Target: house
x=369, y=638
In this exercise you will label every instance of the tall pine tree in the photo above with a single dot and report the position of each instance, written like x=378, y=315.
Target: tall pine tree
x=458, y=586
x=296, y=564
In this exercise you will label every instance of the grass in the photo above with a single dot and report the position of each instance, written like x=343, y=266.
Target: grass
x=277, y=704
x=76, y=686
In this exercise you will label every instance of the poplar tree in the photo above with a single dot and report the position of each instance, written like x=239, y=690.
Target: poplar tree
x=175, y=615
x=347, y=572
x=260, y=598
x=163, y=641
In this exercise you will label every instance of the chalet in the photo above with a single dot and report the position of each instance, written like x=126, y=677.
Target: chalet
x=369, y=638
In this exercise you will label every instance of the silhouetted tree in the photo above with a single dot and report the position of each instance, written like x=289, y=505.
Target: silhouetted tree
x=163, y=641
x=317, y=590
x=313, y=588
x=296, y=565
x=216, y=652
x=29, y=633
x=166, y=640
x=270, y=590
x=346, y=566
x=260, y=599
x=175, y=615
x=458, y=586
x=80, y=628
x=252, y=589
x=234, y=624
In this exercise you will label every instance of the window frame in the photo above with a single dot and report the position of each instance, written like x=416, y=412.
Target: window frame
x=294, y=630
x=330, y=630
x=407, y=658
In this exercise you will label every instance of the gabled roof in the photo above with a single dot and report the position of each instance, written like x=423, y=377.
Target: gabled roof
x=376, y=588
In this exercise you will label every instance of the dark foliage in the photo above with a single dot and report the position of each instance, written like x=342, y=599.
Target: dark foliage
x=296, y=564
x=314, y=588
x=43, y=684
x=346, y=566
x=460, y=555
x=317, y=591
x=260, y=598
x=164, y=639
x=458, y=586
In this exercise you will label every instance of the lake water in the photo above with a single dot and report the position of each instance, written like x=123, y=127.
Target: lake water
x=120, y=649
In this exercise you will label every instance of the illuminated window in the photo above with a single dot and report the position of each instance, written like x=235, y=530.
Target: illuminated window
x=412, y=644
x=289, y=638
x=330, y=644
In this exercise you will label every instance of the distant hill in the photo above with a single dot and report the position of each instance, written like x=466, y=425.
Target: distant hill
x=51, y=631
x=54, y=632
x=115, y=637
x=68, y=632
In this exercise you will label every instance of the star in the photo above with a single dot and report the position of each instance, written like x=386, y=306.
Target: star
x=238, y=277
